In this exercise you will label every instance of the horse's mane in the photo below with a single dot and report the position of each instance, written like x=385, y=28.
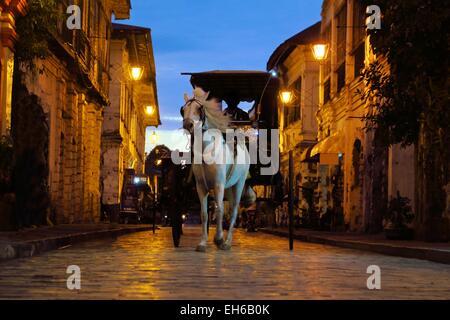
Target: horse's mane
x=213, y=111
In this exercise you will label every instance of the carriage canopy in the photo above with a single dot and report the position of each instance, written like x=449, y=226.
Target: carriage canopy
x=259, y=87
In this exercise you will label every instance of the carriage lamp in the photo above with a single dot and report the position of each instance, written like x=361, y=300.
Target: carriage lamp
x=154, y=137
x=274, y=73
x=150, y=110
x=320, y=51
x=158, y=162
x=136, y=73
x=286, y=96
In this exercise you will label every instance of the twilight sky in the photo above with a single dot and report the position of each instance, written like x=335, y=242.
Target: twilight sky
x=201, y=35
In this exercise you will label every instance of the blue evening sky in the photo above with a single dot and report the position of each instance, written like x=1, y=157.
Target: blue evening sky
x=201, y=35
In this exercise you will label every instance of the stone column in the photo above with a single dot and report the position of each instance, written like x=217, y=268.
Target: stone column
x=9, y=10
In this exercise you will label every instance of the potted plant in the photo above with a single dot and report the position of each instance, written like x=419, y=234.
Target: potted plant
x=398, y=216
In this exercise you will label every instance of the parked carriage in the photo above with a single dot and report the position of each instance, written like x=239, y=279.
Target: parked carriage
x=135, y=189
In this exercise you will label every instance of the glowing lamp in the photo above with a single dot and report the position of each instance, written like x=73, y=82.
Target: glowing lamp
x=320, y=51
x=154, y=138
x=136, y=73
x=286, y=96
x=150, y=110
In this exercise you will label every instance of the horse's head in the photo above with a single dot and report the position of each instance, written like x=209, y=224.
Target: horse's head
x=193, y=111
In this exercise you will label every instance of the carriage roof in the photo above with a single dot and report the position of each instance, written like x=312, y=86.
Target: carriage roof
x=244, y=85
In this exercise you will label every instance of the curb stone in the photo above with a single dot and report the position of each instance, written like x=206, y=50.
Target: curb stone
x=28, y=249
x=430, y=254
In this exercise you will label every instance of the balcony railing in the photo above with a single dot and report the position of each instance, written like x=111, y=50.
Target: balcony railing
x=83, y=48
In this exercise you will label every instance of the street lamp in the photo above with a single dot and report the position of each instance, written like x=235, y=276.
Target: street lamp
x=136, y=73
x=286, y=96
x=154, y=137
x=150, y=110
x=320, y=51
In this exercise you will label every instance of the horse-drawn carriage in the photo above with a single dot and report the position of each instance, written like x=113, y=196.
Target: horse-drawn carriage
x=260, y=89
x=135, y=190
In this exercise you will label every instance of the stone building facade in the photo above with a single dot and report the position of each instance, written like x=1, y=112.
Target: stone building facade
x=9, y=11
x=72, y=89
x=299, y=74
x=134, y=107
x=357, y=176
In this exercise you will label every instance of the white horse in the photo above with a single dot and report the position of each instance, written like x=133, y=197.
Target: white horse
x=206, y=116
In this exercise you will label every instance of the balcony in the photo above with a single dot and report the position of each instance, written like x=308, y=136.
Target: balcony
x=83, y=48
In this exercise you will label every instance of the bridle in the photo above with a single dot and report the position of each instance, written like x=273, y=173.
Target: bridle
x=201, y=109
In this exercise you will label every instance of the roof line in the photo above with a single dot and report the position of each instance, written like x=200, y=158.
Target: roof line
x=306, y=36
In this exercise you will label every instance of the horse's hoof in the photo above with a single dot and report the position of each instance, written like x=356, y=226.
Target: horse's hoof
x=219, y=242
x=200, y=248
x=225, y=246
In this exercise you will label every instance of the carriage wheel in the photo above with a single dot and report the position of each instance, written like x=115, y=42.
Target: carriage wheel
x=177, y=230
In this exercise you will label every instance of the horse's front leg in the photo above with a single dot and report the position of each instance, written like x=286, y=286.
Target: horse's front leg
x=219, y=193
x=236, y=192
x=203, y=197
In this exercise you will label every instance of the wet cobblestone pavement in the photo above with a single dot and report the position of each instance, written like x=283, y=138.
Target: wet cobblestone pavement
x=259, y=266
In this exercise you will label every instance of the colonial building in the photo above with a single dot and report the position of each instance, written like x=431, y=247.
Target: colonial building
x=72, y=89
x=299, y=75
x=357, y=177
x=9, y=10
x=134, y=107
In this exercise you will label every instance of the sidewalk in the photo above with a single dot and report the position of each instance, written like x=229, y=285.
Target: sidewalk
x=436, y=252
x=32, y=242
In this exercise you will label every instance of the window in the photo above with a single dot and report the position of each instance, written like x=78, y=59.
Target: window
x=327, y=91
x=65, y=33
x=341, y=34
x=292, y=112
x=297, y=104
x=359, y=26
x=327, y=38
x=340, y=77
x=327, y=67
x=286, y=116
x=359, y=34
x=341, y=19
x=359, y=55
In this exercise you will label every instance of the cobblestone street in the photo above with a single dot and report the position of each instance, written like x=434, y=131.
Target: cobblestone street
x=259, y=266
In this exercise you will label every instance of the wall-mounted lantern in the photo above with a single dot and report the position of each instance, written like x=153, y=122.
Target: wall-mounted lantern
x=154, y=138
x=286, y=96
x=320, y=51
x=136, y=73
x=150, y=110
